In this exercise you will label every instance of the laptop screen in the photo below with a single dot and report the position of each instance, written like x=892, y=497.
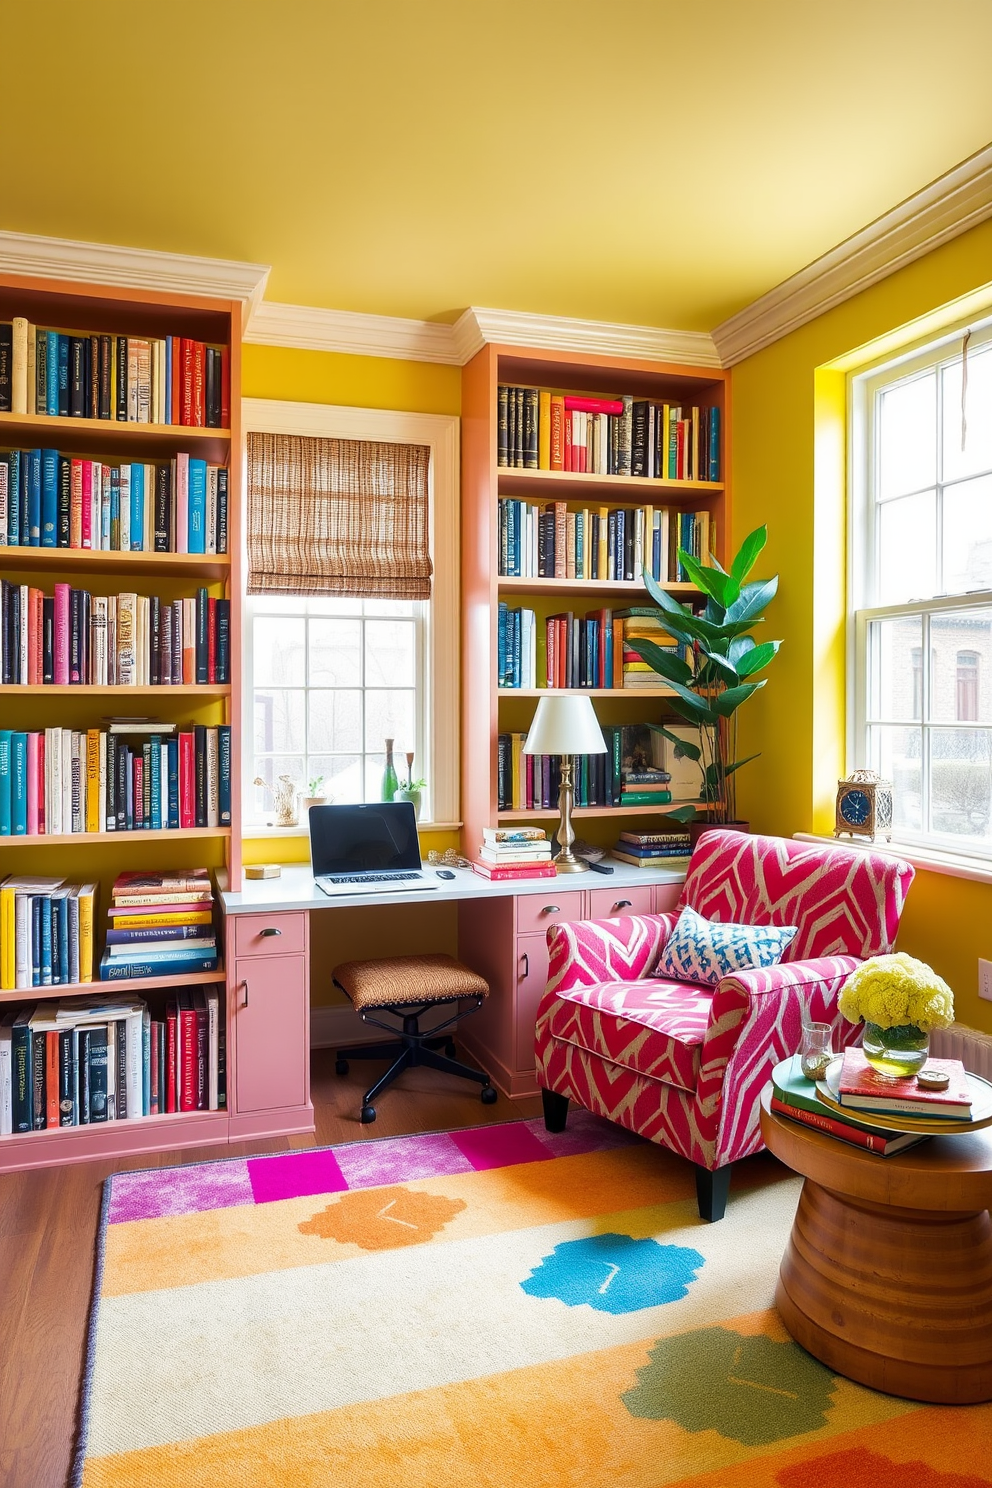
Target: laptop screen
x=364, y=839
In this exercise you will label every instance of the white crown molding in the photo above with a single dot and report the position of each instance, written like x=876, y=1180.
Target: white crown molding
x=945, y=209
x=137, y=268
x=313, y=329
x=477, y=326
x=309, y=328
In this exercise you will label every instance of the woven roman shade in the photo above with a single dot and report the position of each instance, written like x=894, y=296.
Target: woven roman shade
x=338, y=516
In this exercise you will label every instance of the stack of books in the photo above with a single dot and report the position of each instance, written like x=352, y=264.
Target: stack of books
x=795, y=1097
x=161, y=924
x=647, y=787
x=862, y=1088
x=639, y=626
x=652, y=849
x=78, y=1062
x=46, y=932
x=514, y=853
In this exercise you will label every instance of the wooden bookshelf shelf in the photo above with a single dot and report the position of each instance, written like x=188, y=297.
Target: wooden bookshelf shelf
x=202, y=567
x=129, y=984
x=593, y=692
x=87, y=435
x=587, y=586
x=86, y=839
x=567, y=485
x=205, y=690
x=543, y=813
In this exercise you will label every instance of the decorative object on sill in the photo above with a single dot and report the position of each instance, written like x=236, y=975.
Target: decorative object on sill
x=412, y=790
x=390, y=780
x=710, y=671
x=815, y=1054
x=263, y=870
x=284, y=800
x=900, y=1001
x=316, y=796
x=450, y=858
x=864, y=805
x=565, y=726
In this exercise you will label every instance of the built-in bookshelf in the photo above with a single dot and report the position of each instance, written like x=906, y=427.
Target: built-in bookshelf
x=154, y=401
x=510, y=484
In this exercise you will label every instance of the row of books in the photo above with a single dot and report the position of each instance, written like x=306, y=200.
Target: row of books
x=796, y=1098
x=652, y=849
x=61, y=781
x=620, y=543
x=514, y=854
x=161, y=924
x=47, y=931
x=622, y=777
x=116, y=640
x=591, y=651
x=53, y=500
x=125, y=379
x=77, y=1062
x=537, y=429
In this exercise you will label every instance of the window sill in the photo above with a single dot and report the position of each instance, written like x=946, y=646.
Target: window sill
x=927, y=858
x=255, y=830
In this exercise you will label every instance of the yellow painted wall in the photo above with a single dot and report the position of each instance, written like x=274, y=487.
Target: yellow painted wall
x=356, y=382
x=789, y=471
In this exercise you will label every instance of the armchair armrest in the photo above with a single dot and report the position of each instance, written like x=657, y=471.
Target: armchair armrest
x=587, y=952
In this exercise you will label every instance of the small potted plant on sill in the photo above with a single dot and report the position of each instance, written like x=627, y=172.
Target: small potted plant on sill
x=412, y=790
x=316, y=795
x=710, y=673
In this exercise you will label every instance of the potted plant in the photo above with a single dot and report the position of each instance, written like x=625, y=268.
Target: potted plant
x=316, y=795
x=712, y=669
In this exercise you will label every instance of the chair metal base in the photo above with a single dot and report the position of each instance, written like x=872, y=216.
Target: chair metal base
x=414, y=1047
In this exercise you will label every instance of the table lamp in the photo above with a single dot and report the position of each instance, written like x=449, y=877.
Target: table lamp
x=565, y=725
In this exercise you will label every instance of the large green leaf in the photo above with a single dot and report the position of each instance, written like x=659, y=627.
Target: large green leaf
x=739, y=647
x=662, y=659
x=748, y=553
x=753, y=599
x=715, y=773
x=712, y=581
x=663, y=599
x=681, y=814
x=759, y=656
x=691, y=751
x=717, y=671
x=728, y=702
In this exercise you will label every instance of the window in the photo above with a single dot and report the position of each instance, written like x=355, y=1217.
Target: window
x=329, y=678
x=922, y=590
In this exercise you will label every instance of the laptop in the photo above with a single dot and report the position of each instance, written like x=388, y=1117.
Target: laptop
x=370, y=849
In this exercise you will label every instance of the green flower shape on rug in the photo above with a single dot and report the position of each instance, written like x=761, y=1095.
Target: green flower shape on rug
x=614, y=1273
x=750, y=1389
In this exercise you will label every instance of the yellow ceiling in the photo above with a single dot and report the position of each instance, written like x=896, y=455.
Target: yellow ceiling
x=651, y=162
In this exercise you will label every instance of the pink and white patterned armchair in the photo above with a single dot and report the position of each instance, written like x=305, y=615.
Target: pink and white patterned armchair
x=682, y=1064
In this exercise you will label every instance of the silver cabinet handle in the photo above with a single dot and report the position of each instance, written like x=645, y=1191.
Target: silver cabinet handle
x=622, y=904
x=551, y=909
x=271, y=931
x=526, y=960
x=245, y=985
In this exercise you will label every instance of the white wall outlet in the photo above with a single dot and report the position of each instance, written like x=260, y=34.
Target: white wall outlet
x=985, y=979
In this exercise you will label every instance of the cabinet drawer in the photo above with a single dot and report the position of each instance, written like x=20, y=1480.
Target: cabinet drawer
x=535, y=912
x=666, y=897
x=270, y=935
x=606, y=904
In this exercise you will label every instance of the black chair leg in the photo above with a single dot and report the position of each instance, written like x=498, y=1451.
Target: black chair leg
x=555, y=1110
x=402, y=1062
x=712, y=1188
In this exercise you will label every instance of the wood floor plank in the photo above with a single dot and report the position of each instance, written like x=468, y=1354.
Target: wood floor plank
x=49, y=1219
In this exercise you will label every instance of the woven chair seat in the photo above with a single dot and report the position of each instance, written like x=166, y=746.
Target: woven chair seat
x=394, y=980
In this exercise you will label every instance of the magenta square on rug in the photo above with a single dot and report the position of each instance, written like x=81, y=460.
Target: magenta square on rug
x=157, y=1192
x=400, y=1160
x=500, y=1146
x=294, y=1175
x=584, y=1133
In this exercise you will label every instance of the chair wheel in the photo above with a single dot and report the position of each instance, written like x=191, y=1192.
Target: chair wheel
x=340, y=1066
x=368, y=1115
x=449, y=1048
x=490, y=1095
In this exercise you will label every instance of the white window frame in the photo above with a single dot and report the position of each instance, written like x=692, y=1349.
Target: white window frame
x=440, y=705
x=864, y=387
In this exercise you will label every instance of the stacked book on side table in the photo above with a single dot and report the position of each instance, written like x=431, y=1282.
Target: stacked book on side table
x=795, y=1097
x=511, y=853
x=161, y=924
x=653, y=849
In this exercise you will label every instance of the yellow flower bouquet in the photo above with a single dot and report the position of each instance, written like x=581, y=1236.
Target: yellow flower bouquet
x=891, y=991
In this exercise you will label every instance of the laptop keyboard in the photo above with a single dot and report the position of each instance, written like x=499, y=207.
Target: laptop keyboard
x=364, y=878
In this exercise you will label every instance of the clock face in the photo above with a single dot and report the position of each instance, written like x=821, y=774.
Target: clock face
x=855, y=807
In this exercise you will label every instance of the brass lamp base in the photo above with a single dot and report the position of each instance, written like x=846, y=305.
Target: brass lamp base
x=566, y=861
x=571, y=864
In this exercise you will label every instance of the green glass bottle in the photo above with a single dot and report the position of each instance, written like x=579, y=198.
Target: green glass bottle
x=390, y=784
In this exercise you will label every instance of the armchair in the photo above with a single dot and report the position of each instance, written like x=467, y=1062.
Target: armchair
x=682, y=1064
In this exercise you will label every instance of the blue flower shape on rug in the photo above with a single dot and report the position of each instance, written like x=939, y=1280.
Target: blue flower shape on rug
x=614, y=1273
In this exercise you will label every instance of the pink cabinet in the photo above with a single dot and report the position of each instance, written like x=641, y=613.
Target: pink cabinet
x=269, y=1024
x=606, y=904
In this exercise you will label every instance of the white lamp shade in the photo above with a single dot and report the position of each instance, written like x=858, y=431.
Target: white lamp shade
x=565, y=725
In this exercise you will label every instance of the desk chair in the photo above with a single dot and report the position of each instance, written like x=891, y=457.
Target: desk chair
x=407, y=986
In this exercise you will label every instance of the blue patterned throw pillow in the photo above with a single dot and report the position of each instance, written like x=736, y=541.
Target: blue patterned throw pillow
x=701, y=950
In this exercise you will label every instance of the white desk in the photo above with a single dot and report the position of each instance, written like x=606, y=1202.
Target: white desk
x=502, y=934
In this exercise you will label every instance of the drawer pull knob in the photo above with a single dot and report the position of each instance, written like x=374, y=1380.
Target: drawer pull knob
x=551, y=909
x=622, y=904
x=245, y=985
x=526, y=960
x=270, y=931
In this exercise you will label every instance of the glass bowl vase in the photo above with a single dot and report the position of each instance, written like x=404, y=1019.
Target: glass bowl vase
x=897, y=1052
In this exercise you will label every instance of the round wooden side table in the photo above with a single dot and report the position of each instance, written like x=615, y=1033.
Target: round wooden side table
x=887, y=1277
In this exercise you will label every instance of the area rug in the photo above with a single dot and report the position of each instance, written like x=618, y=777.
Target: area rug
x=495, y=1306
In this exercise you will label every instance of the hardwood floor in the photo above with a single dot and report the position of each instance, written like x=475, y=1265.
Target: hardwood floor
x=48, y=1228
